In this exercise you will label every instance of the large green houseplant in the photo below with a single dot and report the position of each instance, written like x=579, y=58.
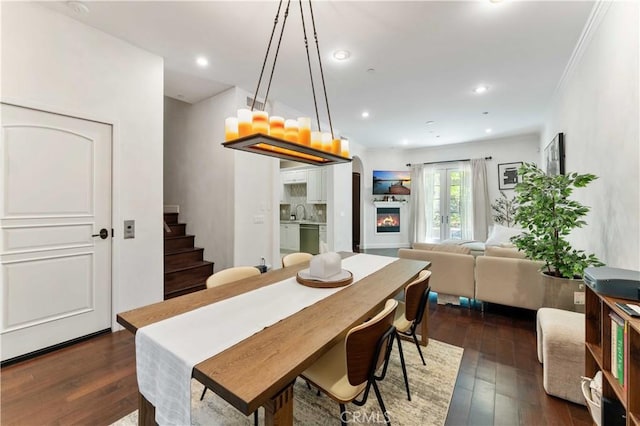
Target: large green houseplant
x=548, y=215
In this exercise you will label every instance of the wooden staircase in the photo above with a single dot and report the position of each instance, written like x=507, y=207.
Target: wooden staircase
x=185, y=271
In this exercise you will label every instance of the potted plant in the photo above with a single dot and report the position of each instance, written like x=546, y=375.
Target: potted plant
x=548, y=215
x=504, y=210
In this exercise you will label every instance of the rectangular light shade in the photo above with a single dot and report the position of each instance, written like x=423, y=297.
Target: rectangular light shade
x=279, y=148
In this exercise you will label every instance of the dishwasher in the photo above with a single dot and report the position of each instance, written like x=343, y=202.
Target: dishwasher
x=309, y=238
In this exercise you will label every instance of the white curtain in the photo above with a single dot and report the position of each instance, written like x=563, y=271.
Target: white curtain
x=474, y=201
x=421, y=203
x=430, y=182
x=466, y=202
x=418, y=205
x=481, y=203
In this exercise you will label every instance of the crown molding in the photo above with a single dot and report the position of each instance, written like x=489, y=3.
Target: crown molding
x=598, y=12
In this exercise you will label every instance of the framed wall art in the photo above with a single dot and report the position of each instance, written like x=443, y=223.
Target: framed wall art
x=554, y=156
x=508, y=175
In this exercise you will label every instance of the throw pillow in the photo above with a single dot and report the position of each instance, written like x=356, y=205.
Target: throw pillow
x=501, y=235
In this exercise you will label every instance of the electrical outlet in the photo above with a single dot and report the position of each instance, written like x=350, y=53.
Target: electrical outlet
x=578, y=297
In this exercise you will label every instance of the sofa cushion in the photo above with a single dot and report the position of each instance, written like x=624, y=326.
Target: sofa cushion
x=423, y=246
x=451, y=273
x=449, y=248
x=501, y=235
x=504, y=252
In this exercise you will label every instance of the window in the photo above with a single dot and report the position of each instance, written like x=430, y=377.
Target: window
x=449, y=203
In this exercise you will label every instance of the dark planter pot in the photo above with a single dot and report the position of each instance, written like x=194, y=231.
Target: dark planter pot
x=560, y=293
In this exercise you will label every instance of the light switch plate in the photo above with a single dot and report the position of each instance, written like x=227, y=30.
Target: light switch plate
x=578, y=297
x=129, y=229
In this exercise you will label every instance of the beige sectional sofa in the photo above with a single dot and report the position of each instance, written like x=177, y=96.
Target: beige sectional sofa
x=451, y=267
x=504, y=276
x=501, y=275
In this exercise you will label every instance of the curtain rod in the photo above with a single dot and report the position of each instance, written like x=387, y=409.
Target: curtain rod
x=450, y=161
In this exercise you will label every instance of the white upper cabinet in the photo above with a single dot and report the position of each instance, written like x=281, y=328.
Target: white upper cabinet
x=317, y=186
x=294, y=176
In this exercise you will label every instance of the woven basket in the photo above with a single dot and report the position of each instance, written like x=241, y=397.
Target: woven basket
x=593, y=405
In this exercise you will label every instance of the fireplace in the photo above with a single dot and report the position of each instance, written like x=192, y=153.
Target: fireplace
x=387, y=220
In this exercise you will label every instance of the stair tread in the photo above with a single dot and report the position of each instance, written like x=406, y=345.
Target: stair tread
x=193, y=265
x=175, y=237
x=183, y=250
x=185, y=288
x=187, y=283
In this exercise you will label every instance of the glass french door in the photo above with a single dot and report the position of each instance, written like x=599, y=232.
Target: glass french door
x=447, y=203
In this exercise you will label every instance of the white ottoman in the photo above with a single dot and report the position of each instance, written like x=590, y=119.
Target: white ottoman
x=561, y=349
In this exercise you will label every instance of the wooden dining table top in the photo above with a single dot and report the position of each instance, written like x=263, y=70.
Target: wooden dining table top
x=250, y=372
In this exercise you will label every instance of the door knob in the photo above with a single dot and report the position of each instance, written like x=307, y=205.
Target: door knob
x=103, y=234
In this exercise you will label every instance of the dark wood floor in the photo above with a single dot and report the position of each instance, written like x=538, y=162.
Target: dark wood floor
x=500, y=380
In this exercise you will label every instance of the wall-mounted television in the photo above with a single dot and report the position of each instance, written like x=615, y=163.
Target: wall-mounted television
x=387, y=182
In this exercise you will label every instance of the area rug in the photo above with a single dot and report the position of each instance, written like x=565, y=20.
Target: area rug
x=431, y=391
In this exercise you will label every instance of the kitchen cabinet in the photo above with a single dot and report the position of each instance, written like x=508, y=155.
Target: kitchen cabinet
x=294, y=176
x=317, y=186
x=284, y=199
x=290, y=236
x=323, y=234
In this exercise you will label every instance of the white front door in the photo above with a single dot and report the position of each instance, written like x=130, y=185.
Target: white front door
x=56, y=194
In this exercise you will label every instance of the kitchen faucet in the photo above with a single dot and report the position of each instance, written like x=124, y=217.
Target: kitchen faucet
x=304, y=211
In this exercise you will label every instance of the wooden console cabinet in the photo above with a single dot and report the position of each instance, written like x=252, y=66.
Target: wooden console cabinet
x=598, y=352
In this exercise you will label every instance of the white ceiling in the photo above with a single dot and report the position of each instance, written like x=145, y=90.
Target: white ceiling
x=426, y=57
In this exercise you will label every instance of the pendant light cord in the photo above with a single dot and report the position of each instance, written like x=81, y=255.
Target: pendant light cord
x=324, y=87
x=306, y=46
x=264, y=63
x=275, y=58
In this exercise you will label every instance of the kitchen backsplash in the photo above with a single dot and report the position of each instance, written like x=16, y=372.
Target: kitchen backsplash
x=298, y=197
x=313, y=212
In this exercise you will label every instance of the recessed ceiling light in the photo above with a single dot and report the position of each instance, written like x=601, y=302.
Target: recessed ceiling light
x=485, y=113
x=202, y=61
x=429, y=123
x=341, y=55
x=404, y=142
x=365, y=114
x=488, y=130
x=78, y=7
x=480, y=89
x=371, y=70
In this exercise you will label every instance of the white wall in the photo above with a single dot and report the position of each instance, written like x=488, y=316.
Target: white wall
x=504, y=150
x=199, y=173
x=381, y=159
x=597, y=110
x=222, y=193
x=58, y=64
x=257, y=202
x=339, y=207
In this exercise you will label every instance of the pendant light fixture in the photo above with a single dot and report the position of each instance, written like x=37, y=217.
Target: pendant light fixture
x=253, y=131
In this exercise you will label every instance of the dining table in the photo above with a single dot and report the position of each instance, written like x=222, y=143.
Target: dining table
x=259, y=369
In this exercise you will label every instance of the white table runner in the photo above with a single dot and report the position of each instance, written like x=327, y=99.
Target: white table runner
x=167, y=351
